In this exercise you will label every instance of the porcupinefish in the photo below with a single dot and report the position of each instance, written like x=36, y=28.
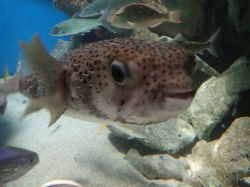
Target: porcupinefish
x=140, y=15
x=78, y=25
x=15, y=162
x=61, y=183
x=118, y=81
x=98, y=7
x=195, y=47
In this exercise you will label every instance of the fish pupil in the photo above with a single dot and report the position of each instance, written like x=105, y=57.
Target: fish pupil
x=119, y=72
x=31, y=160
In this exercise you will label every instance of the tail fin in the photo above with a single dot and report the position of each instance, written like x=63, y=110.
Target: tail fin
x=211, y=41
x=10, y=84
x=104, y=18
x=174, y=16
x=52, y=73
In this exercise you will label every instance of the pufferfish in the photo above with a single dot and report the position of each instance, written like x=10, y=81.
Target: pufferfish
x=118, y=81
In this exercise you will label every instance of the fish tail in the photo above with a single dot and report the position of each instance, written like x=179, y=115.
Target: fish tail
x=211, y=42
x=104, y=21
x=10, y=84
x=174, y=16
x=52, y=74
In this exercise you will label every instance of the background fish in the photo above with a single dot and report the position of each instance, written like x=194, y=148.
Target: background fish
x=15, y=162
x=140, y=15
x=77, y=25
x=195, y=47
x=98, y=7
x=119, y=81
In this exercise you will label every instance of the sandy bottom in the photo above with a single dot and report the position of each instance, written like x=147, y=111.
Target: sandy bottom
x=70, y=149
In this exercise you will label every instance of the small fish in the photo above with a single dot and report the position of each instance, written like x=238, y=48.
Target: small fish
x=15, y=162
x=61, y=183
x=78, y=25
x=195, y=47
x=119, y=82
x=98, y=7
x=140, y=15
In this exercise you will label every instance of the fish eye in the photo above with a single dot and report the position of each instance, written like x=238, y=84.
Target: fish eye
x=31, y=160
x=86, y=8
x=119, y=72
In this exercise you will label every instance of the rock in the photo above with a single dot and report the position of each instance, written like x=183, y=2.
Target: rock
x=239, y=14
x=70, y=6
x=218, y=163
x=216, y=97
x=222, y=162
x=171, y=136
x=62, y=47
x=144, y=34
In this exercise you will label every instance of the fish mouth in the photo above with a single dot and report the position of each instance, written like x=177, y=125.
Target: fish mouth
x=181, y=95
x=177, y=102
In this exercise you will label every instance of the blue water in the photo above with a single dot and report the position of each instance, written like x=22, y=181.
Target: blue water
x=19, y=20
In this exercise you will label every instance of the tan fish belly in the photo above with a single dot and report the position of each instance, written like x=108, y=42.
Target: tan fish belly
x=119, y=81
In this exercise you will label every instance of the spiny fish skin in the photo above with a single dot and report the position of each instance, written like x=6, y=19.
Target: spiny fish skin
x=99, y=6
x=141, y=15
x=118, y=81
x=15, y=162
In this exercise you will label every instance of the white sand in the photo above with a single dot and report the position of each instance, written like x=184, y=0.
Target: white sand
x=70, y=149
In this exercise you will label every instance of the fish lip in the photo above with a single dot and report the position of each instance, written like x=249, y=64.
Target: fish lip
x=181, y=95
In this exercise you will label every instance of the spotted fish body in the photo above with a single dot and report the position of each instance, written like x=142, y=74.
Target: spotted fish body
x=118, y=81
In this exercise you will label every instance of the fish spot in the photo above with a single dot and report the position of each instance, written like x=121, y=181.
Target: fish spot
x=122, y=102
x=163, y=72
x=72, y=99
x=104, y=76
x=144, y=77
x=84, y=81
x=147, y=83
x=98, y=75
x=146, y=91
x=100, y=83
x=106, y=84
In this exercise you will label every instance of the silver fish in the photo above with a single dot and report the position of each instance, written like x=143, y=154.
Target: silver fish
x=195, y=47
x=15, y=162
x=98, y=7
x=119, y=81
x=61, y=183
x=77, y=25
